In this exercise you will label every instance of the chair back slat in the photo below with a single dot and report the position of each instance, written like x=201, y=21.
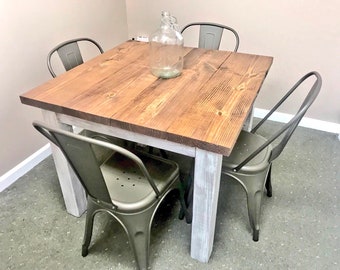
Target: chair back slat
x=210, y=35
x=79, y=152
x=288, y=129
x=294, y=122
x=82, y=159
x=70, y=55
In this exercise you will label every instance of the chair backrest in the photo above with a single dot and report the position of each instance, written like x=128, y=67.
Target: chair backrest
x=78, y=151
x=287, y=130
x=69, y=53
x=210, y=35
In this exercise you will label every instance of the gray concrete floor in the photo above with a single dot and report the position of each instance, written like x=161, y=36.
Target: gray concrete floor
x=299, y=224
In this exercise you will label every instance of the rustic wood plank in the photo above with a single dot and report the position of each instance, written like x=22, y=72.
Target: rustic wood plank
x=223, y=103
x=204, y=107
x=156, y=106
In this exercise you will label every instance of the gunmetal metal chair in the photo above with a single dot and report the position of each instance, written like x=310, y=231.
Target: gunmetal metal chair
x=251, y=159
x=70, y=56
x=210, y=34
x=128, y=187
x=69, y=53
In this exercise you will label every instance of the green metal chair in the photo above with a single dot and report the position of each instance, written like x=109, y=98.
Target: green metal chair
x=129, y=187
x=210, y=34
x=251, y=159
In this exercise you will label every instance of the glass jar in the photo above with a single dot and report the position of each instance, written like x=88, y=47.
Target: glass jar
x=166, y=48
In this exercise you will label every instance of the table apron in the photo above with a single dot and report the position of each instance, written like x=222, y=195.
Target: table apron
x=128, y=135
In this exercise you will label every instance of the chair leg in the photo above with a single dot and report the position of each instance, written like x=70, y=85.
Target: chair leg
x=269, y=182
x=185, y=198
x=182, y=210
x=88, y=227
x=164, y=154
x=254, y=208
x=254, y=186
x=138, y=230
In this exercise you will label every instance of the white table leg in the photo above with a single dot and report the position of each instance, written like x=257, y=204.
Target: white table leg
x=248, y=124
x=73, y=192
x=206, y=188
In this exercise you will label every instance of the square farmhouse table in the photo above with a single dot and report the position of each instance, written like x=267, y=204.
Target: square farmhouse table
x=199, y=114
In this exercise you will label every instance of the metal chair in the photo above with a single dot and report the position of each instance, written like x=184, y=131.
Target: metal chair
x=130, y=187
x=70, y=56
x=251, y=159
x=210, y=34
x=69, y=53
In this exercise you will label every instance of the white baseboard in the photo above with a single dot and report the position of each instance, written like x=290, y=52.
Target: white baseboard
x=25, y=166
x=305, y=122
x=11, y=176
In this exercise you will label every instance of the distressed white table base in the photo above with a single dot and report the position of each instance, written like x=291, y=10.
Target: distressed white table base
x=206, y=179
x=206, y=188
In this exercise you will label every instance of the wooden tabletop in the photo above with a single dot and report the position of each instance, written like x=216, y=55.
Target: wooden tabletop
x=204, y=107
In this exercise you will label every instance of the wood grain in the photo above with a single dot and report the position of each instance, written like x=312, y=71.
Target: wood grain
x=204, y=107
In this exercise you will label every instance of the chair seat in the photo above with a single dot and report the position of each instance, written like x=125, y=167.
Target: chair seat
x=127, y=184
x=246, y=144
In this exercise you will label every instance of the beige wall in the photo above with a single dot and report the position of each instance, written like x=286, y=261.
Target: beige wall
x=29, y=29
x=301, y=35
